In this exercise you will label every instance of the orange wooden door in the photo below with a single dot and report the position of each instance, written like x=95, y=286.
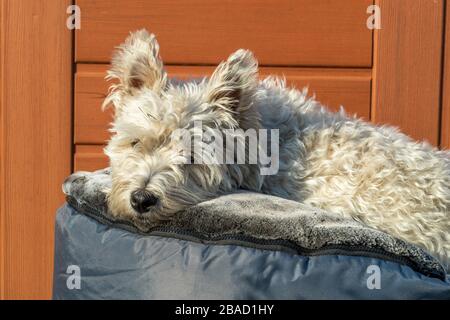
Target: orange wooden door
x=408, y=67
x=392, y=75
x=35, y=146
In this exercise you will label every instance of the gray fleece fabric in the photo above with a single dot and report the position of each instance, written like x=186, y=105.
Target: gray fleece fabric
x=264, y=219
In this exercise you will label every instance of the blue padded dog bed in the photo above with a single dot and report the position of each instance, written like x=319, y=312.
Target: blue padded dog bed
x=238, y=246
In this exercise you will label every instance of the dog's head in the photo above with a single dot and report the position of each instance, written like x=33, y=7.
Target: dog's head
x=152, y=174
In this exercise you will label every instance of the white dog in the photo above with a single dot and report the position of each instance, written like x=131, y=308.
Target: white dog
x=328, y=160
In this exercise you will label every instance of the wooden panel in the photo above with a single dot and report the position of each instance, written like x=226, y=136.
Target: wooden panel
x=2, y=153
x=445, y=120
x=285, y=32
x=89, y=158
x=407, y=67
x=35, y=141
x=90, y=122
x=333, y=87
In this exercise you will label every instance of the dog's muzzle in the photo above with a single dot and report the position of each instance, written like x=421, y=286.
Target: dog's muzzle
x=142, y=200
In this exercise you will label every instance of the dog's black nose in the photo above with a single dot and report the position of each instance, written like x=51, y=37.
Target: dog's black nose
x=142, y=200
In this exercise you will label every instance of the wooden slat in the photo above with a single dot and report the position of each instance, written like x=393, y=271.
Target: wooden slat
x=35, y=102
x=2, y=152
x=333, y=87
x=90, y=122
x=285, y=32
x=407, y=67
x=89, y=158
x=445, y=120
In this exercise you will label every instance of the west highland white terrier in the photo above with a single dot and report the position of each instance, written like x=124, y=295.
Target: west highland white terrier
x=338, y=163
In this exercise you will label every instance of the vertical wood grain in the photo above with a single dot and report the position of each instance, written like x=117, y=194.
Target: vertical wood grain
x=2, y=153
x=35, y=139
x=445, y=116
x=407, y=67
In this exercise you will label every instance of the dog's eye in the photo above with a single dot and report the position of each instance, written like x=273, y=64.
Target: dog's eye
x=134, y=142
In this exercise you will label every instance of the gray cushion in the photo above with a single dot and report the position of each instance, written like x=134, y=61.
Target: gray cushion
x=242, y=245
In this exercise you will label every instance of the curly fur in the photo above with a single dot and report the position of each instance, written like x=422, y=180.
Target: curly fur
x=374, y=174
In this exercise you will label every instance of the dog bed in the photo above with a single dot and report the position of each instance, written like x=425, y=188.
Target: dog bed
x=238, y=246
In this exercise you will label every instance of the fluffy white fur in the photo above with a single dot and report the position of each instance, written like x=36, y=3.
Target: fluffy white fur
x=376, y=175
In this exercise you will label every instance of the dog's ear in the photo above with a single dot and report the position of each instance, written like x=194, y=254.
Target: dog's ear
x=137, y=64
x=233, y=84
